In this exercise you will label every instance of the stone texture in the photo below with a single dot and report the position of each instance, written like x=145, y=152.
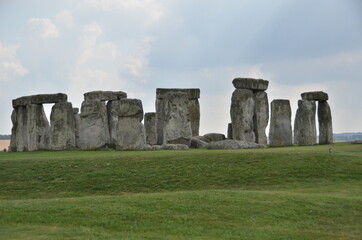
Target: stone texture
x=251, y=84
x=39, y=99
x=150, y=127
x=175, y=147
x=234, y=144
x=196, y=142
x=177, y=126
x=194, y=114
x=38, y=128
x=280, y=131
x=213, y=137
x=19, y=132
x=77, y=127
x=242, y=112
x=304, y=124
x=325, y=123
x=230, y=131
x=112, y=113
x=93, y=127
x=192, y=93
x=104, y=95
x=75, y=110
x=62, y=127
x=131, y=108
x=130, y=134
x=261, y=116
x=316, y=96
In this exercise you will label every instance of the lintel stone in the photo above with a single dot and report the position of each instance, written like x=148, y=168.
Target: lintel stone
x=192, y=93
x=40, y=99
x=251, y=84
x=104, y=95
x=316, y=96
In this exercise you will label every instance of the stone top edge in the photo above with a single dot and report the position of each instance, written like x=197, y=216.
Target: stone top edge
x=251, y=84
x=40, y=99
x=191, y=92
x=280, y=100
x=104, y=95
x=315, y=95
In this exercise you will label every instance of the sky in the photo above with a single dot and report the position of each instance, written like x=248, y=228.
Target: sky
x=137, y=46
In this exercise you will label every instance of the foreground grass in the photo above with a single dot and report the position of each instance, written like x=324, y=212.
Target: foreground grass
x=275, y=193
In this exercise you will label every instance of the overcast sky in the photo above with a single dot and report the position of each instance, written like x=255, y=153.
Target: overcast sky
x=137, y=46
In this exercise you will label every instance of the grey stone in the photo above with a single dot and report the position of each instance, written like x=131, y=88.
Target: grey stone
x=194, y=111
x=77, y=127
x=230, y=131
x=75, y=110
x=214, y=137
x=156, y=147
x=196, y=142
x=104, y=95
x=39, y=99
x=175, y=147
x=177, y=126
x=304, y=124
x=112, y=113
x=130, y=134
x=316, y=96
x=38, y=128
x=192, y=93
x=261, y=116
x=93, y=129
x=242, y=112
x=150, y=127
x=14, y=120
x=280, y=131
x=234, y=144
x=251, y=84
x=130, y=108
x=62, y=127
x=325, y=123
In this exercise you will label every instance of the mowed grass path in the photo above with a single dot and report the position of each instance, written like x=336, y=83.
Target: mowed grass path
x=274, y=193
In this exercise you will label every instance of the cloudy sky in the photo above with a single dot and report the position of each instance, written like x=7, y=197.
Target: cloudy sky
x=136, y=46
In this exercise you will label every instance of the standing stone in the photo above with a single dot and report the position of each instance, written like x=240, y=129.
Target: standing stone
x=38, y=128
x=325, y=123
x=62, y=127
x=230, y=131
x=261, y=116
x=304, y=124
x=150, y=127
x=242, y=112
x=93, y=129
x=14, y=121
x=194, y=111
x=77, y=124
x=280, y=131
x=112, y=112
x=21, y=129
x=177, y=126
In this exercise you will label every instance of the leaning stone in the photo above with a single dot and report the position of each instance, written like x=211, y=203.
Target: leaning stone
x=62, y=127
x=280, y=131
x=304, y=124
x=104, y=95
x=214, y=137
x=150, y=127
x=234, y=144
x=197, y=143
x=40, y=99
x=230, y=131
x=316, y=96
x=261, y=116
x=93, y=129
x=38, y=128
x=325, y=123
x=130, y=134
x=251, y=84
x=175, y=147
x=242, y=112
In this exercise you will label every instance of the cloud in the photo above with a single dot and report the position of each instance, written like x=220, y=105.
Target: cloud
x=65, y=18
x=10, y=66
x=43, y=27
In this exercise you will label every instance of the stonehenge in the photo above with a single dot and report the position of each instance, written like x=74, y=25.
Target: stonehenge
x=109, y=119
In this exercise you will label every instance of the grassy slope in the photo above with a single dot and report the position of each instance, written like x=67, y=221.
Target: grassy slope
x=275, y=193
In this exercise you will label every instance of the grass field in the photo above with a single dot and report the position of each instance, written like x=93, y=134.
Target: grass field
x=274, y=193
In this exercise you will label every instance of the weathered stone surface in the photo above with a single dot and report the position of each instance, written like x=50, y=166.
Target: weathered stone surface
x=39, y=99
x=75, y=110
x=38, y=128
x=280, y=131
x=213, y=137
x=93, y=129
x=19, y=139
x=62, y=127
x=177, y=126
x=230, y=131
x=150, y=127
x=112, y=113
x=12, y=147
x=77, y=127
x=104, y=95
x=261, y=116
x=192, y=93
x=234, y=144
x=325, y=123
x=156, y=147
x=242, y=112
x=130, y=108
x=251, y=84
x=130, y=134
x=304, y=124
x=316, y=96
x=194, y=111
x=175, y=147
x=196, y=142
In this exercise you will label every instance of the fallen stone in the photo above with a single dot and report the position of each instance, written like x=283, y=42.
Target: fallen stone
x=104, y=95
x=40, y=99
x=150, y=127
x=156, y=147
x=251, y=84
x=234, y=144
x=325, y=123
x=242, y=112
x=261, y=116
x=280, y=131
x=304, y=123
x=196, y=142
x=316, y=96
x=213, y=137
x=175, y=147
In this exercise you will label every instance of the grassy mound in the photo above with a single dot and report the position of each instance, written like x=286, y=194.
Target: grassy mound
x=274, y=193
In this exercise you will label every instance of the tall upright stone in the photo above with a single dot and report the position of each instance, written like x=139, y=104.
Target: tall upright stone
x=230, y=131
x=62, y=127
x=38, y=128
x=261, y=116
x=93, y=127
x=177, y=125
x=242, y=113
x=325, y=123
x=304, y=124
x=77, y=125
x=19, y=137
x=150, y=127
x=280, y=131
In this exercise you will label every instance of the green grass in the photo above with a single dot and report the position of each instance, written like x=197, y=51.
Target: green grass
x=274, y=193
